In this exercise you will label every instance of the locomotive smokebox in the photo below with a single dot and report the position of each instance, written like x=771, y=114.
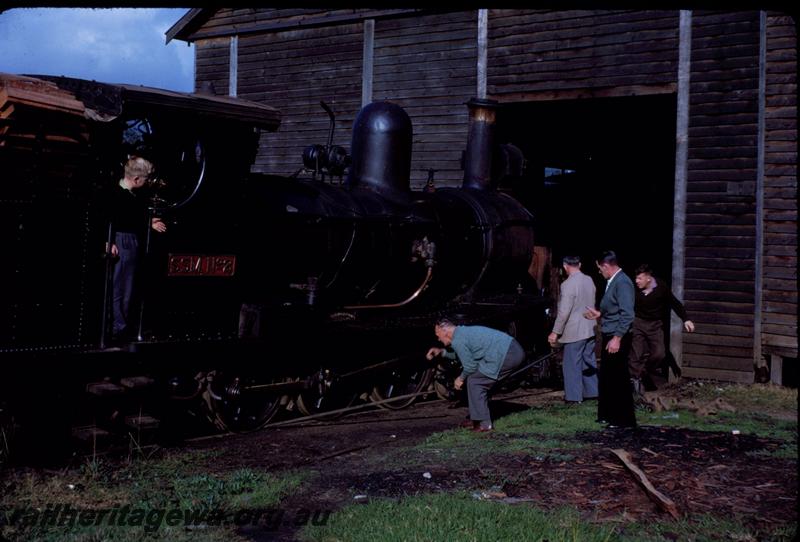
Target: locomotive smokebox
x=480, y=142
x=381, y=149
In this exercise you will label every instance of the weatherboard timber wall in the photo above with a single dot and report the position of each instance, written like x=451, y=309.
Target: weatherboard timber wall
x=426, y=64
x=720, y=250
x=779, y=315
x=292, y=68
x=546, y=55
x=277, y=69
x=212, y=63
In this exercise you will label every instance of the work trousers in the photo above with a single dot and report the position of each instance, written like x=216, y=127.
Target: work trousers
x=478, y=385
x=647, y=346
x=615, y=402
x=124, y=278
x=579, y=366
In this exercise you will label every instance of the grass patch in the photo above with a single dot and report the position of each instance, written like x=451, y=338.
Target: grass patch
x=241, y=489
x=446, y=518
x=704, y=527
x=135, y=500
x=458, y=517
x=543, y=432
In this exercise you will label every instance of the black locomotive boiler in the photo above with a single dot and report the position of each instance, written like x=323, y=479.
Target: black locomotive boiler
x=267, y=292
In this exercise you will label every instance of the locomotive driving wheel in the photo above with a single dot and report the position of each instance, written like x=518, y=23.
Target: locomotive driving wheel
x=237, y=408
x=400, y=382
x=443, y=377
x=324, y=394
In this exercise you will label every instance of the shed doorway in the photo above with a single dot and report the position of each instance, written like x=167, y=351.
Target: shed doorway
x=599, y=175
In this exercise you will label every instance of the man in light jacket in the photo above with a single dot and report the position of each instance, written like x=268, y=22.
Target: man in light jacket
x=576, y=333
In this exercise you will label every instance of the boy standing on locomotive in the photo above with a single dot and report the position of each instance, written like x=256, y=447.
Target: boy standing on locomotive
x=486, y=355
x=128, y=215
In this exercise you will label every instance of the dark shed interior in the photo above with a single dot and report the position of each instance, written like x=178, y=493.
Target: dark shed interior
x=599, y=174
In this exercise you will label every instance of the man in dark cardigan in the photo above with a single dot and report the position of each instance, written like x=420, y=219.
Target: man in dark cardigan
x=652, y=306
x=615, y=401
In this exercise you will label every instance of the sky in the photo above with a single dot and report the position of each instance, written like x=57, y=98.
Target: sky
x=112, y=45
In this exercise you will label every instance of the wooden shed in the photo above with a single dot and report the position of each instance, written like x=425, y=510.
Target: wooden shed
x=675, y=131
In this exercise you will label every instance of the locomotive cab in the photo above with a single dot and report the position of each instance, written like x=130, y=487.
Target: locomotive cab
x=63, y=142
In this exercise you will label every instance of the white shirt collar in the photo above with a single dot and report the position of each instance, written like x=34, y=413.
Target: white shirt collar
x=608, y=283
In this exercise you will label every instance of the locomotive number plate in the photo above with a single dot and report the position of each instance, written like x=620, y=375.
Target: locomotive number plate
x=200, y=265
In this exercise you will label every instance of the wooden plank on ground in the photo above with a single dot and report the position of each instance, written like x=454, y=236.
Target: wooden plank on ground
x=663, y=502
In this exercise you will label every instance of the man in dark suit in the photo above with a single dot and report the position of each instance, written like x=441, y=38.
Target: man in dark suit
x=615, y=402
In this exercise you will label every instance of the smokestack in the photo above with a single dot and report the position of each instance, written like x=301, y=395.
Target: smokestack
x=480, y=142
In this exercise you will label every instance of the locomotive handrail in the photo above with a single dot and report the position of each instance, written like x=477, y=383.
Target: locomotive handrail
x=344, y=258
x=187, y=199
x=107, y=288
x=413, y=296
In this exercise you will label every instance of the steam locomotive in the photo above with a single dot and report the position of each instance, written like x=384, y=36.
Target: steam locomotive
x=267, y=292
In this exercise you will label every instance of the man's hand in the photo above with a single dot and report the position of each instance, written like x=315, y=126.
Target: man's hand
x=158, y=225
x=552, y=339
x=591, y=313
x=458, y=383
x=434, y=352
x=688, y=325
x=613, y=345
x=114, y=250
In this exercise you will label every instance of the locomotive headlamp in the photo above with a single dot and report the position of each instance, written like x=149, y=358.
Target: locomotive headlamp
x=314, y=157
x=337, y=160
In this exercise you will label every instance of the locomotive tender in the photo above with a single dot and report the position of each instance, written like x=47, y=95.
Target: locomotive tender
x=266, y=292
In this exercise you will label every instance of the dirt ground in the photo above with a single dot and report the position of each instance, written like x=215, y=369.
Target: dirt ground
x=701, y=472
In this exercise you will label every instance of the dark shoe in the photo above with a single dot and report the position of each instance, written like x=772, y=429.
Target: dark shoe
x=615, y=426
x=676, y=370
x=572, y=402
x=469, y=424
x=480, y=429
x=636, y=387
